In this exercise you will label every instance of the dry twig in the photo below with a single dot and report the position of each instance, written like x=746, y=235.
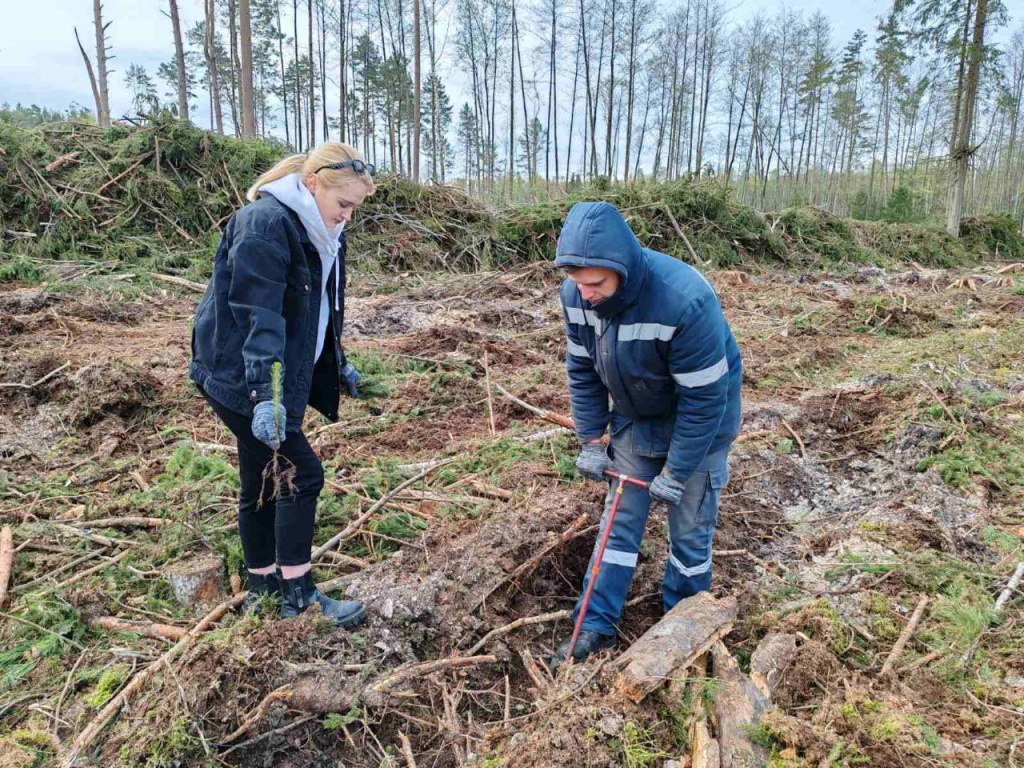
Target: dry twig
x=352, y=528
x=905, y=635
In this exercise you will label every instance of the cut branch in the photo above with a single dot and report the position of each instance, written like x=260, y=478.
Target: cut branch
x=905, y=635
x=352, y=528
x=554, y=418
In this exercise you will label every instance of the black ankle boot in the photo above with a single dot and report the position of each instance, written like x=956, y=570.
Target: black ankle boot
x=587, y=643
x=260, y=585
x=298, y=594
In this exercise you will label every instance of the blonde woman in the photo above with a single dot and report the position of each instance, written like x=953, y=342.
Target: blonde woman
x=277, y=296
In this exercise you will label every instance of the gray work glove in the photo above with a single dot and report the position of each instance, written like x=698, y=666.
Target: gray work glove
x=265, y=428
x=592, y=461
x=351, y=377
x=667, y=489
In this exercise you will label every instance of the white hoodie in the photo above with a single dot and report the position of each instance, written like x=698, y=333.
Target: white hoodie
x=290, y=191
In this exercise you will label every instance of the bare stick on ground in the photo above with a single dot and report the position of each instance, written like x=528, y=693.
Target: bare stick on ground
x=148, y=629
x=1004, y=596
x=410, y=761
x=283, y=692
x=90, y=571
x=352, y=528
x=6, y=560
x=490, y=396
x=37, y=382
x=523, y=622
x=554, y=418
x=905, y=635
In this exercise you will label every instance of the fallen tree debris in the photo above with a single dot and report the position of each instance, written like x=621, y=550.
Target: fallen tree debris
x=738, y=709
x=690, y=629
x=110, y=710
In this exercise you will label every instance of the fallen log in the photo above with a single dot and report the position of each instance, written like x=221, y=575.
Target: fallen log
x=738, y=708
x=705, y=751
x=123, y=522
x=60, y=162
x=690, y=629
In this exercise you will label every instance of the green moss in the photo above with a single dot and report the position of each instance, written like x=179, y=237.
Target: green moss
x=108, y=684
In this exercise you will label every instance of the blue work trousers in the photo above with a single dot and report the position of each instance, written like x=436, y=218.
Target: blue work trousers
x=691, y=530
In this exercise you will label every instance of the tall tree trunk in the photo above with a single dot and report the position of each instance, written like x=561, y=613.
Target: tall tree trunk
x=210, y=51
x=511, y=117
x=179, y=62
x=963, y=150
x=280, y=54
x=101, y=63
x=591, y=108
x=530, y=148
x=245, y=25
x=572, y=113
x=342, y=74
x=631, y=67
x=611, y=96
x=312, y=80
x=416, y=118
x=298, y=77
x=236, y=66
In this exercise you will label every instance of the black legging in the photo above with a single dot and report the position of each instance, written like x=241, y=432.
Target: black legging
x=281, y=529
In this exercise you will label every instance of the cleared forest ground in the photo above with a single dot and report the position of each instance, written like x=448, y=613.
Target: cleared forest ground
x=882, y=460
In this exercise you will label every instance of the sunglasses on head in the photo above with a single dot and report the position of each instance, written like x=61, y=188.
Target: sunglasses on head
x=356, y=165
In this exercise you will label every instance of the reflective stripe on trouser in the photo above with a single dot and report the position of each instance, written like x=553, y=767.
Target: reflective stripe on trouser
x=691, y=529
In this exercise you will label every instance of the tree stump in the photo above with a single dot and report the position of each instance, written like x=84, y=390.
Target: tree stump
x=197, y=581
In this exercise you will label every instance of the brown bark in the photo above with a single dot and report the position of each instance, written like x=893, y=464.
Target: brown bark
x=674, y=643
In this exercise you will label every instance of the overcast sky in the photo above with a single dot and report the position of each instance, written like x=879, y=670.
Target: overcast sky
x=40, y=63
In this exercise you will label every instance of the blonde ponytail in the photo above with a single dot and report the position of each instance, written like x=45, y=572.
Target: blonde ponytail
x=290, y=164
x=327, y=153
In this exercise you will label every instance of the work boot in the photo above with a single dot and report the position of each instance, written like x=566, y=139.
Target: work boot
x=587, y=643
x=298, y=594
x=260, y=586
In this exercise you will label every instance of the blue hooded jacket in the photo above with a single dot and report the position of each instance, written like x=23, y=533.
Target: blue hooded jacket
x=657, y=355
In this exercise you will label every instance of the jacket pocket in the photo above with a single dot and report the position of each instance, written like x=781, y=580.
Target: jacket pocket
x=297, y=293
x=656, y=387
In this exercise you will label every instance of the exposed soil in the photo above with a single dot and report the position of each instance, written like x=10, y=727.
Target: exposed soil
x=831, y=526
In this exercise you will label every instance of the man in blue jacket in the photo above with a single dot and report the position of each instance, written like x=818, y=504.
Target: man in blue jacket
x=651, y=358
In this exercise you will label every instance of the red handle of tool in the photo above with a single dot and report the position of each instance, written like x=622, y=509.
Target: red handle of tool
x=623, y=481
x=625, y=478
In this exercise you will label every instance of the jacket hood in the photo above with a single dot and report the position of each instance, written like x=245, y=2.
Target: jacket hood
x=596, y=235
